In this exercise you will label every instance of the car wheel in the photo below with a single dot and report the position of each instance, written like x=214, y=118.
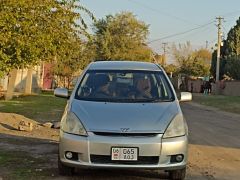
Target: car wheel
x=177, y=174
x=64, y=170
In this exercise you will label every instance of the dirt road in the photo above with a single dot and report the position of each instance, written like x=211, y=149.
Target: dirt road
x=214, y=150
x=214, y=138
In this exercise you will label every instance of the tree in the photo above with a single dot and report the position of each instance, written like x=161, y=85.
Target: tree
x=32, y=31
x=159, y=59
x=171, y=69
x=192, y=63
x=232, y=68
x=36, y=31
x=233, y=40
x=77, y=58
x=222, y=62
x=121, y=37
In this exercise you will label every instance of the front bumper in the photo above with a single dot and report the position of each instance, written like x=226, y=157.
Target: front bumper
x=150, y=148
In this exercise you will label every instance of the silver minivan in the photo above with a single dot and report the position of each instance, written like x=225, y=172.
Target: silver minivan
x=123, y=114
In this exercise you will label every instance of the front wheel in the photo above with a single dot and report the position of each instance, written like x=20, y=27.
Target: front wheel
x=177, y=174
x=64, y=170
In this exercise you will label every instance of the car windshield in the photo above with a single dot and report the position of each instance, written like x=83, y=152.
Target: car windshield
x=124, y=86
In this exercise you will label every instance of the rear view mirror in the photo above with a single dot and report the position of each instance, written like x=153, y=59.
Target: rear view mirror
x=61, y=92
x=185, y=96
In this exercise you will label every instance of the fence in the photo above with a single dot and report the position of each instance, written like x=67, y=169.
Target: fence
x=228, y=88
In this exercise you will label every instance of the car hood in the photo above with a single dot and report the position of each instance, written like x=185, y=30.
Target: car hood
x=138, y=117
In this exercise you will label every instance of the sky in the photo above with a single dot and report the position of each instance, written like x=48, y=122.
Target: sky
x=168, y=17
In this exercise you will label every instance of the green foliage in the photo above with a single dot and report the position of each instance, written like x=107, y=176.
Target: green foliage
x=42, y=108
x=192, y=63
x=33, y=31
x=70, y=63
x=121, y=37
x=232, y=67
x=233, y=40
x=21, y=165
x=230, y=53
x=225, y=103
x=171, y=68
x=213, y=65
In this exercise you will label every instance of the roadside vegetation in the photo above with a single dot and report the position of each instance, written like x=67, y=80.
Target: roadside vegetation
x=29, y=155
x=43, y=107
x=225, y=103
x=230, y=55
x=21, y=166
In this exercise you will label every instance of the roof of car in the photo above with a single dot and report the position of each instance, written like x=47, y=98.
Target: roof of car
x=123, y=65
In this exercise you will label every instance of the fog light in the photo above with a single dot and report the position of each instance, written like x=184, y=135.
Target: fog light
x=69, y=155
x=179, y=158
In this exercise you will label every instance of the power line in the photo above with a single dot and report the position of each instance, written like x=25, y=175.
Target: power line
x=180, y=33
x=212, y=41
x=177, y=18
x=162, y=12
x=230, y=13
x=207, y=29
x=227, y=23
x=224, y=32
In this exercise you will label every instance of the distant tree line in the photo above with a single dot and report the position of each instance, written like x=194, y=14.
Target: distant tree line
x=189, y=62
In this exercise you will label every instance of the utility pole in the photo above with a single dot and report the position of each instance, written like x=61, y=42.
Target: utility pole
x=206, y=44
x=219, y=25
x=164, y=53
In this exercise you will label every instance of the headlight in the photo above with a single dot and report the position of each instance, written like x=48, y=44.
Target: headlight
x=177, y=127
x=71, y=124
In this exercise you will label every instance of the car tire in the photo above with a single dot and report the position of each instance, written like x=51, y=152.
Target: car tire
x=177, y=174
x=64, y=170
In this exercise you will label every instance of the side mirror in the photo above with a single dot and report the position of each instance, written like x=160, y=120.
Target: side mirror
x=61, y=92
x=185, y=96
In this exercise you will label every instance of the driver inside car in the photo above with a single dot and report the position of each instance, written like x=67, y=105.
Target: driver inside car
x=102, y=86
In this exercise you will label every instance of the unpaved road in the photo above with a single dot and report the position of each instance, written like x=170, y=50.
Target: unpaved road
x=209, y=126
x=215, y=142
x=214, y=150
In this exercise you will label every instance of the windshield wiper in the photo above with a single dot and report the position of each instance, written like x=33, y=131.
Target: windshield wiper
x=155, y=100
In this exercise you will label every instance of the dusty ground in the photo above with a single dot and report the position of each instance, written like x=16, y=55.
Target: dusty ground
x=9, y=125
x=33, y=155
x=214, y=138
x=207, y=162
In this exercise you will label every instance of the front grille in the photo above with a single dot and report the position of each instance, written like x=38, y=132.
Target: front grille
x=126, y=134
x=142, y=160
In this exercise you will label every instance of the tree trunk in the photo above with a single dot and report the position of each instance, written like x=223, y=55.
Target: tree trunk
x=28, y=85
x=11, y=84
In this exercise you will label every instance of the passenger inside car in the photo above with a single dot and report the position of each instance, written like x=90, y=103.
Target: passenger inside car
x=143, y=88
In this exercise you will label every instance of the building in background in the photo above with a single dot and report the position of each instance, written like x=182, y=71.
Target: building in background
x=42, y=79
